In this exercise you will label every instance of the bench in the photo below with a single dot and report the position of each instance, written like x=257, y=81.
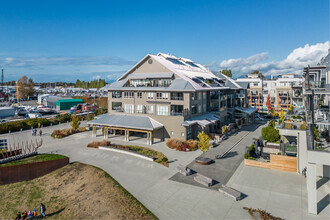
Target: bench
x=206, y=181
x=233, y=193
x=183, y=170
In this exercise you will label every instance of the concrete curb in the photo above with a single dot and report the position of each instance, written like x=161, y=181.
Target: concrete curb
x=126, y=152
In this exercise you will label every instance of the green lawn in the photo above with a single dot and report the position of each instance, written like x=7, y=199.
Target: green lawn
x=33, y=159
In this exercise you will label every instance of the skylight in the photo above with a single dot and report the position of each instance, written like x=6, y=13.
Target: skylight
x=175, y=61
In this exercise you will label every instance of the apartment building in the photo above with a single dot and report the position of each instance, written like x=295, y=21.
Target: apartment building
x=163, y=97
x=284, y=91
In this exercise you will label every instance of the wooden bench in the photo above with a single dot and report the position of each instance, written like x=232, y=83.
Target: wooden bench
x=183, y=170
x=233, y=193
x=206, y=181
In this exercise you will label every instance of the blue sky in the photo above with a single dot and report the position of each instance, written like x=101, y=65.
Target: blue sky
x=65, y=40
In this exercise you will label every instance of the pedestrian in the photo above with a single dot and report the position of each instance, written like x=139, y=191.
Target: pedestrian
x=40, y=132
x=32, y=132
x=35, y=132
x=30, y=215
x=43, y=210
x=35, y=214
x=18, y=217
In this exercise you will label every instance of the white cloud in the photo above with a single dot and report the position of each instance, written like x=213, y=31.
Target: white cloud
x=97, y=77
x=293, y=63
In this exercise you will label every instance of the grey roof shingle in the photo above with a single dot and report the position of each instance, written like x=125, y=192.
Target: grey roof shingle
x=127, y=121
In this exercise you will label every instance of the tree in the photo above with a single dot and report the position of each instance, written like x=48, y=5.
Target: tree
x=227, y=73
x=256, y=72
x=272, y=112
x=204, y=141
x=24, y=87
x=268, y=103
x=270, y=134
x=75, y=121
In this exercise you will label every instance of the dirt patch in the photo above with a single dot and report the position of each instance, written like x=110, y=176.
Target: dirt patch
x=76, y=191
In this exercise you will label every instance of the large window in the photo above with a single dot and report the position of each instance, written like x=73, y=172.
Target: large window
x=162, y=95
x=176, y=95
x=150, y=95
x=139, y=109
x=128, y=95
x=194, y=109
x=117, y=106
x=139, y=95
x=150, y=109
x=116, y=94
x=129, y=108
x=162, y=110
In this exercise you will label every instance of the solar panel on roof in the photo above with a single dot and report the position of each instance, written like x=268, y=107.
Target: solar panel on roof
x=175, y=61
x=192, y=64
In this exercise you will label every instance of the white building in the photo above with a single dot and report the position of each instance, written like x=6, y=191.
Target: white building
x=283, y=91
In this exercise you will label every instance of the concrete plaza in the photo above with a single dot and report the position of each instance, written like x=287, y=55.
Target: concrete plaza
x=280, y=193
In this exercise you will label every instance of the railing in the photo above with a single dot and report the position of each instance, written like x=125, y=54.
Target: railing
x=118, y=109
x=116, y=96
x=176, y=98
x=176, y=113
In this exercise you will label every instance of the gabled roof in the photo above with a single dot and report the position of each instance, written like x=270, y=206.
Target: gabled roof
x=127, y=121
x=184, y=68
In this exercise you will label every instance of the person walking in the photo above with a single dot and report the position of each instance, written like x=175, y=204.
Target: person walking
x=40, y=132
x=43, y=210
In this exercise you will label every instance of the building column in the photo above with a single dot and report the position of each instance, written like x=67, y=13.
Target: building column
x=106, y=132
x=126, y=135
x=311, y=188
x=151, y=138
x=94, y=131
x=148, y=138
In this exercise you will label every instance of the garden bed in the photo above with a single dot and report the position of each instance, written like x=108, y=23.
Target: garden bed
x=189, y=145
x=34, y=159
x=66, y=132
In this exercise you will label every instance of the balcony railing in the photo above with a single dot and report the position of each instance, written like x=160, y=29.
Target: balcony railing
x=176, y=98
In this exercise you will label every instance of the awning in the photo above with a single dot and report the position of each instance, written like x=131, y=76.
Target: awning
x=127, y=121
x=202, y=120
x=248, y=111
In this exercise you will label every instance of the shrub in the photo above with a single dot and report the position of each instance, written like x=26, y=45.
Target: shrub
x=189, y=145
x=270, y=134
x=105, y=142
x=100, y=111
x=288, y=126
x=251, y=158
x=94, y=144
x=246, y=156
x=272, y=123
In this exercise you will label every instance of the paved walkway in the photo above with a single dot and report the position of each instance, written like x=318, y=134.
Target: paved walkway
x=221, y=170
x=149, y=183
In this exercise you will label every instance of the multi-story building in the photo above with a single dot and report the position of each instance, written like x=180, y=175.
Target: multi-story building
x=312, y=153
x=283, y=91
x=167, y=97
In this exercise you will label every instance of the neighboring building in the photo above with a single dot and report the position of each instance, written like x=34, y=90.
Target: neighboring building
x=50, y=101
x=282, y=91
x=42, y=97
x=315, y=160
x=66, y=104
x=167, y=97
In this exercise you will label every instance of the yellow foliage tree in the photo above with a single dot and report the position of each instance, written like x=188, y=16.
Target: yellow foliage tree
x=204, y=141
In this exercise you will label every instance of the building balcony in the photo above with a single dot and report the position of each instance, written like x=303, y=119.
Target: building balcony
x=178, y=98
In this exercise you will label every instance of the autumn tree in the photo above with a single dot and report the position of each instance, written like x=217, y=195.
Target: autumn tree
x=24, y=87
x=75, y=122
x=268, y=103
x=203, y=142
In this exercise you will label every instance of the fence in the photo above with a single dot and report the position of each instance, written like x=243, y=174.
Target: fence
x=277, y=162
x=23, y=172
